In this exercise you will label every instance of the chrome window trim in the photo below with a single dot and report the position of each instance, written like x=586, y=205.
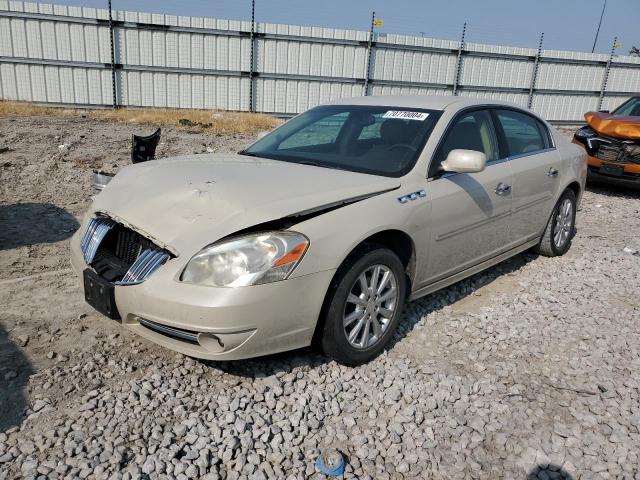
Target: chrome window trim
x=528, y=154
x=492, y=107
x=502, y=160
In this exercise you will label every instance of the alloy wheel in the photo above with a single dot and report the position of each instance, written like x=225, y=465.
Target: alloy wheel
x=370, y=306
x=564, y=224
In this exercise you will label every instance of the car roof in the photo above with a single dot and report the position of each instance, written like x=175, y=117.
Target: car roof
x=430, y=102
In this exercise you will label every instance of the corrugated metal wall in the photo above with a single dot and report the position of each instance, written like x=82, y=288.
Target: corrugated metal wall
x=59, y=54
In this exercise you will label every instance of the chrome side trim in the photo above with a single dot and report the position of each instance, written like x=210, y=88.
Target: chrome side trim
x=191, y=337
x=528, y=154
x=533, y=203
x=97, y=229
x=471, y=226
x=412, y=196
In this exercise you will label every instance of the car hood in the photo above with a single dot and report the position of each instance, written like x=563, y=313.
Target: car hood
x=186, y=203
x=614, y=126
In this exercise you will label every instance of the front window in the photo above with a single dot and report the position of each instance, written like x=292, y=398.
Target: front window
x=630, y=108
x=472, y=131
x=379, y=140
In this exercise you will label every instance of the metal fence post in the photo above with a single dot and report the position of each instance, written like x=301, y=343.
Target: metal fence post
x=534, y=74
x=456, y=78
x=251, y=56
x=113, y=59
x=367, y=78
x=605, y=78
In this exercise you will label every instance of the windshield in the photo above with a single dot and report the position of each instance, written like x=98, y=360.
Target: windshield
x=630, y=108
x=379, y=140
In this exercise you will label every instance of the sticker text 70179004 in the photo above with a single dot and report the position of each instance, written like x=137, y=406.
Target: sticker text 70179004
x=406, y=115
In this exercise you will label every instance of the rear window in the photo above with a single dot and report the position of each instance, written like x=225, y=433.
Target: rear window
x=524, y=134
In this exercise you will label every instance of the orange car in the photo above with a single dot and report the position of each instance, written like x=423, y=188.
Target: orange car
x=612, y=142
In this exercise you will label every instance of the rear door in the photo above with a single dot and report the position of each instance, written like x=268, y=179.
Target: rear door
x=535, y=166
x=470, y=211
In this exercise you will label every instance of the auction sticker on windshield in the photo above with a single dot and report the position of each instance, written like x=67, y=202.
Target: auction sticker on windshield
x=406, y=115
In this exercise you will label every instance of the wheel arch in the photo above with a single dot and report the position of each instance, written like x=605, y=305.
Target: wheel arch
x=395, y=240
x=576, y=188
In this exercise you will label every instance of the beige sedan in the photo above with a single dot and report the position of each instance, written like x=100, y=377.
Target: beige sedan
x=321, y=231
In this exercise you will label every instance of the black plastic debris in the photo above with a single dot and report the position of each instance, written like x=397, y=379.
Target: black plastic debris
x=144, y=148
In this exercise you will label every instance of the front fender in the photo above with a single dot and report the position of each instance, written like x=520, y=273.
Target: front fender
x=334, y=235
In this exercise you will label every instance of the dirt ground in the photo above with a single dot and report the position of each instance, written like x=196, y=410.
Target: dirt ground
x=45, y=188
x=48, y=335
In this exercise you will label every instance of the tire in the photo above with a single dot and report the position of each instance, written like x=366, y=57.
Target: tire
x=341, y=315
x=549, y=246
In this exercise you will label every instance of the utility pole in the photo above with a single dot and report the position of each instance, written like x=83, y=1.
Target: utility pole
x=113, y=59
x=534, y=74
x=593, y=49
x=369, y=47
x=252, y=55
x=607, y=70
x=458, y=73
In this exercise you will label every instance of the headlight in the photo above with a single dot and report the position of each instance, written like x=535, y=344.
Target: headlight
x=585, y=132
x=251, y=260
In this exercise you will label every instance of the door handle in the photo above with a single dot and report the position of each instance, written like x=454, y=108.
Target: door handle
x=552, y=172
x=502, y=188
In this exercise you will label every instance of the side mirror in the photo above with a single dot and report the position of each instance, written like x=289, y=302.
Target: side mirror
x=464, y=161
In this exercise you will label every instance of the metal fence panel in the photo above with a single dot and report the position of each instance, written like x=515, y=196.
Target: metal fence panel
x=570, y=77
x=495, y=72
x=571, y=107
x=61, y=55
x=624, y=79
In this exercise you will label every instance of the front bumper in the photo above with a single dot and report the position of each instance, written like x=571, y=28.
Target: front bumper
x=629, y=178
x=626, y=180
x=219, y=323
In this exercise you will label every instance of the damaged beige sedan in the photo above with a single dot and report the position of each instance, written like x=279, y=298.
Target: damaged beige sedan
x=323, y=229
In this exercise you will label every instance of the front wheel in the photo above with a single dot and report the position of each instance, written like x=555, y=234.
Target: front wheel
x=363, y=306
x=560, y=230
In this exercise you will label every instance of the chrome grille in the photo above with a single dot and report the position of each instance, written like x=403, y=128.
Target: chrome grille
x=119, y=254
x=146, y=263
x=127, y=247
x=609, y=153
x=96, y=231
x=620, y=152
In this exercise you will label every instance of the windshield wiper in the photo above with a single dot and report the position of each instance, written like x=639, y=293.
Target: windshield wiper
x=316, y=164
x=247, y=153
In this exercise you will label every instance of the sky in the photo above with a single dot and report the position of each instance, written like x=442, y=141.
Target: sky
x=567, y=24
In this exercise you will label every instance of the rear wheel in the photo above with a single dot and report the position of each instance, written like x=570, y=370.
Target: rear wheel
x=364, y=306
x=560, y=230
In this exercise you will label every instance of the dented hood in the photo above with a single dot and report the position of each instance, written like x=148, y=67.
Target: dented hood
x=614, y=126
x=185, y=203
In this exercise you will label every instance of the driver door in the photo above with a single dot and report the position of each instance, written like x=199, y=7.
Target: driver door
x=470, y=211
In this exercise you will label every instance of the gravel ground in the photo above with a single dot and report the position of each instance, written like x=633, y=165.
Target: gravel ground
x=528, y=369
